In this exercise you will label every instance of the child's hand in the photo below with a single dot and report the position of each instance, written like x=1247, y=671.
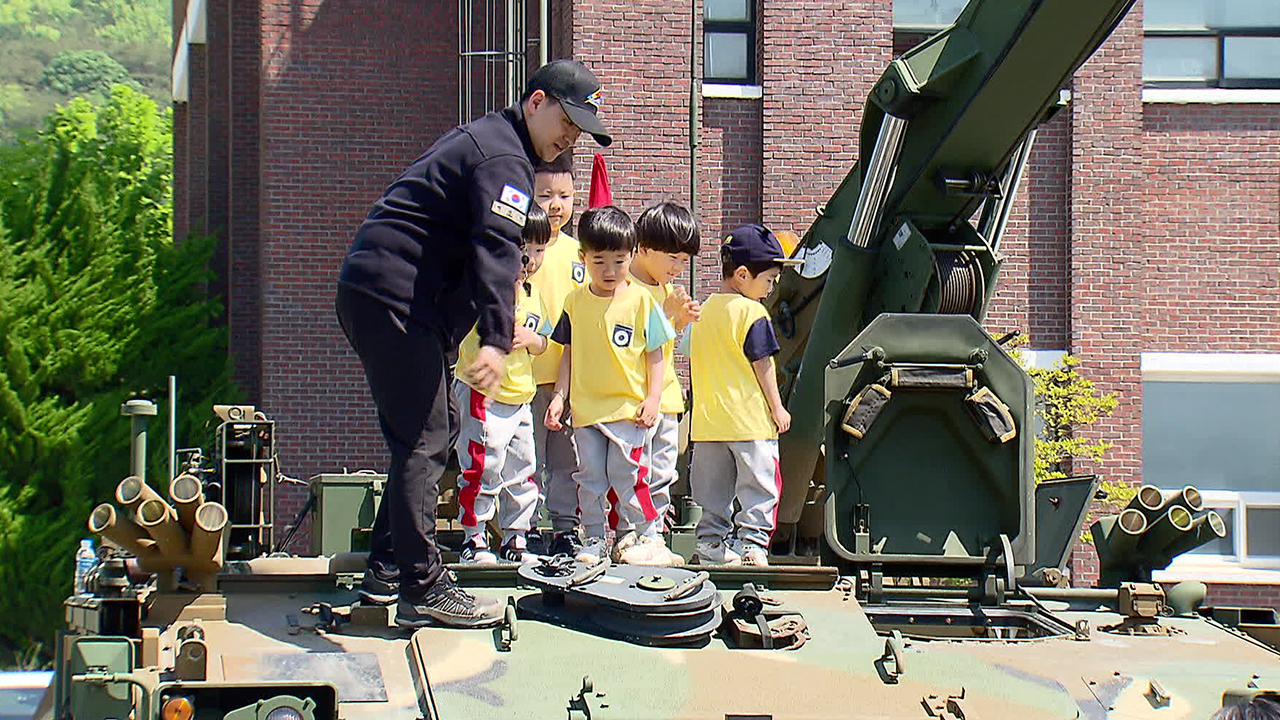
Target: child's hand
x=692, y=311
x=673, y=305
x=555, y=410
x=647, y=415
x=781, y=418
x=525, y=338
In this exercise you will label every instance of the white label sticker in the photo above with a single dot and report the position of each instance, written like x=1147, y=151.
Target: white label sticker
x=816, y=261
x=515, y=198
x=508, y=212
x=611, y=580
x=900, y=237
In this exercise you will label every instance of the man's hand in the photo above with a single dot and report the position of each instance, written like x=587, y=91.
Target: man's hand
x=647, y=414
x=781, y=418
x=486, y=371
x=555, y=410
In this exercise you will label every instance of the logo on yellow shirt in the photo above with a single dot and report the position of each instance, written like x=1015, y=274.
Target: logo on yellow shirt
x=531, y=322
x=579, y=272
x=622, y=335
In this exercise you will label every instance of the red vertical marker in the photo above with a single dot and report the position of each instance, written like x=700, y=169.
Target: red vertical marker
x=599, y=195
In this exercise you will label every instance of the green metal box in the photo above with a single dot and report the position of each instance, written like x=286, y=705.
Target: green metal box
x=345, y=508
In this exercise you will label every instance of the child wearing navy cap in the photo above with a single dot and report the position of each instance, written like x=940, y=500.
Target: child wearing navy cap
x=737, y=411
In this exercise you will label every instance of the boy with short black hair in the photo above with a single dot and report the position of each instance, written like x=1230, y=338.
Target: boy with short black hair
x=562, y=272
x=495, y=438
x=737, y=410
x=612, y=375
x=666, y=238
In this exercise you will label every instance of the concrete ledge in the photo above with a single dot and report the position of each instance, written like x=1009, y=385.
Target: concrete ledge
x=738, y=92
x=1215, y=96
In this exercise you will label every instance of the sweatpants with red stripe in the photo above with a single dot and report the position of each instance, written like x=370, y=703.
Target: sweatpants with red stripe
x=495, y=451
x=742, y=470
x=664, y=450
x=614, y=457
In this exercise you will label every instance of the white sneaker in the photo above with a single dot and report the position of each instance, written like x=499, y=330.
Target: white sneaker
x=650, y=550
x=624, y=543
x=753, y=554
x=594, y=550
x=472, y=555
x=715, y=552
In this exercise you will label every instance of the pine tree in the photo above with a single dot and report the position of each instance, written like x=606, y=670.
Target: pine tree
x=97, y=304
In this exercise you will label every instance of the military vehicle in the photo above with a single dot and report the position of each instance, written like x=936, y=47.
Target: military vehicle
x=924, y=578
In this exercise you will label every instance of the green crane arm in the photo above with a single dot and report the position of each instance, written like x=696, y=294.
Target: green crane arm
x=946, y=131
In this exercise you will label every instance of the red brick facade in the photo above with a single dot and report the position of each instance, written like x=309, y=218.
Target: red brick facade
x=1141, y=227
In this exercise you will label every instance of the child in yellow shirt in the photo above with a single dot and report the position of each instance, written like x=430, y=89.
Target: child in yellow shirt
x=666, y=238
x=737, y=411
x=611, y=374
x=562, y=272
x=495, y=437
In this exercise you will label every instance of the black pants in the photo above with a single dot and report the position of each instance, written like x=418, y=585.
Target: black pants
x=406, y=365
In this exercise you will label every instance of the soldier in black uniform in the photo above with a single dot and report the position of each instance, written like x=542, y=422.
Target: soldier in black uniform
x=438, y=254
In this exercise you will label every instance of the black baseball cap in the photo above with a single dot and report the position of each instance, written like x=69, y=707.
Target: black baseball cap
x=578, y=92
x=751, y=244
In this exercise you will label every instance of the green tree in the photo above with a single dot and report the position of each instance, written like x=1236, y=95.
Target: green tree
x=96, y=302
x=83, y=72
x=141, y=22
x=34, y=18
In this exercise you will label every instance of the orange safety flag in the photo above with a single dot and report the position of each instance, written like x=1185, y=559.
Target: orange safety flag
x=599, y=195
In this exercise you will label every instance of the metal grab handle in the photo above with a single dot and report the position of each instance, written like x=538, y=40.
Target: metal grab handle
x=893, y=651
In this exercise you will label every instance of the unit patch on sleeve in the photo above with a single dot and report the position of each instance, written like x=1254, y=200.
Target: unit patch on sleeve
x=508, y=212
x=622, y=335
x=515, y=198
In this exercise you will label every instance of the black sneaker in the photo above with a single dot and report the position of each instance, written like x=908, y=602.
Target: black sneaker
x=374, y=591
x=447, y=604
x=536, y=543
x=511, y=553
x=565, y=542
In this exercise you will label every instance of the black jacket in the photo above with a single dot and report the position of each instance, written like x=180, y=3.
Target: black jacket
x=442, y=244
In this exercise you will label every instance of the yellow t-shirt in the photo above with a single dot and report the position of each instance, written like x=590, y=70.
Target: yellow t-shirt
x=517, y=387
x=561, y=273
x=608, y=339
x=672, y=396
x=728, y=403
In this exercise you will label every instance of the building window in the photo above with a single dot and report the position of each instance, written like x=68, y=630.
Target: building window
x=729, y=42
x=1211, y=426
x=928, y=16
x=1211, y=43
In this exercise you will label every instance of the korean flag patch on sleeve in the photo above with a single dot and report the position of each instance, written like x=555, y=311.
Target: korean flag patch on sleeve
x=515, y=198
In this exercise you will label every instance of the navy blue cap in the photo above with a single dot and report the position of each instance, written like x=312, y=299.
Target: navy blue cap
x=751, y=244
x=577, y=90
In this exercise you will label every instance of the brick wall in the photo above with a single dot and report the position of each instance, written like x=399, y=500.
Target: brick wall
x=1107, y=238
x=351, y=94
x=244, y=307
x=1212, y=279
x=1240, y=595
x=1032, y=294
x=729, y=178
x=819, y=59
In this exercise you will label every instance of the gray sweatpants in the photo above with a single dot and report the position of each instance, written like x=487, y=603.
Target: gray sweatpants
x=745, y=470
x=614, y=457
x=664, y=451
x=495, y=451
x=557, y=462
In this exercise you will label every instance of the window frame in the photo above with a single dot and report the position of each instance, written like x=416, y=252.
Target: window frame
x=1224, y=368
x=1220, y=35
x=1238, y=532
x=737, y=27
